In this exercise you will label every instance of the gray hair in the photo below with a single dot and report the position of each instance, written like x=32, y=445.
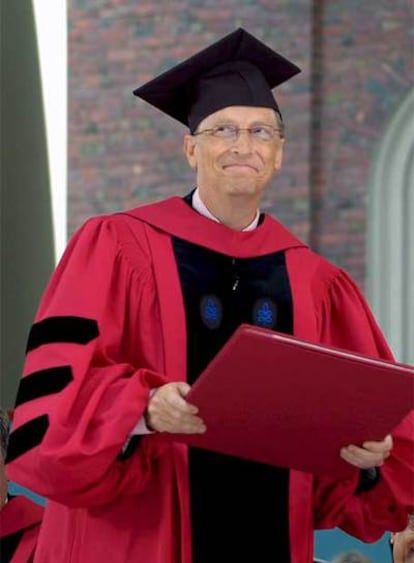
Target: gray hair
x=280, y=124
x=4, y=431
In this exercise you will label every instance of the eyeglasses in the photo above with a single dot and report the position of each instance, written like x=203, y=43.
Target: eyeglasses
x=228, y=132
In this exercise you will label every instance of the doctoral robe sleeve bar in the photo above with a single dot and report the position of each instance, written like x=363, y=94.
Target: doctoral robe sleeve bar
x=92, y=384
x=345, y=321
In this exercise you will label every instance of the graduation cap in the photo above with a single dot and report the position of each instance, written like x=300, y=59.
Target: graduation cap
x=237, y=70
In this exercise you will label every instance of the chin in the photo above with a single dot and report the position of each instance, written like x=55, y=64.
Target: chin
x=243, y=187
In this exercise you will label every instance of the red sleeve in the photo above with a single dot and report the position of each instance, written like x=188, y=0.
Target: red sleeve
x=86, y=381
x=346, y=321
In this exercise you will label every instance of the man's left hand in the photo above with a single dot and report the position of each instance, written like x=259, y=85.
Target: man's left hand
x=370, y=454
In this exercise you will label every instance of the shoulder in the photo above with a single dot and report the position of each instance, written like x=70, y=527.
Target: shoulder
x=303, y=262
x=322, y=278
x=312, y=265
x=113, y=243
x=120, y=231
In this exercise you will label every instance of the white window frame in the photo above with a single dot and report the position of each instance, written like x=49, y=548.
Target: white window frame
x=390, y=244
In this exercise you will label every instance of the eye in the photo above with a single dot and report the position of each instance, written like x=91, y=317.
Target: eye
x=262, y=132
x=225, y=131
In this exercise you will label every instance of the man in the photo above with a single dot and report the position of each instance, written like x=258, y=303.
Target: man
x=138, y=306
x=20, y=518
x=403, y=544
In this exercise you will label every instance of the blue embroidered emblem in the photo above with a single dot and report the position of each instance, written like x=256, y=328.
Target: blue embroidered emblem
x=265, y=313
x=211, y=311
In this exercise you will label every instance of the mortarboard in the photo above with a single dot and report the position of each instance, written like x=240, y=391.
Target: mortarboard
x=236, y=70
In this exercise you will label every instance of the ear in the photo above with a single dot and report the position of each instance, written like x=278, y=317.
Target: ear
x=189, y=151
x=279, y=155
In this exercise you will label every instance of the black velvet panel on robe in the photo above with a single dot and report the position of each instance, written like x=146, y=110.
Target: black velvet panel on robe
x=239, y=508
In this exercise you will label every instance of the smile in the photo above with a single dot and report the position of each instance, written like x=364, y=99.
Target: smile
x=241, y=165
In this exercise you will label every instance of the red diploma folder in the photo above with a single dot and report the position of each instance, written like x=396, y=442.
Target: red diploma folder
x=279, y=400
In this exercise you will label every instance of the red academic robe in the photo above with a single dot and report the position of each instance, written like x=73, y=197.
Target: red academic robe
x=119, y=272
x=21, y=516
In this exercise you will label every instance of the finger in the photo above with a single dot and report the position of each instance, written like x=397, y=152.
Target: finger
x=379, y=447
x=175, y=418
x=183, y=387
x=189, y=425
x=362, y=453
x=356, y=462
x=382, y=454
x=190, y=429
x=178, y=418
x=168, y=396
x=361, y=458
x=357, y=455
x=176, y=401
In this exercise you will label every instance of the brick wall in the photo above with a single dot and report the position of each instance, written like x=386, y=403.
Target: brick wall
x=123, y=152
x=356, y=61
x=366, y=66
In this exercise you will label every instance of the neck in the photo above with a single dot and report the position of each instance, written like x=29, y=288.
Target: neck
x=235, y=211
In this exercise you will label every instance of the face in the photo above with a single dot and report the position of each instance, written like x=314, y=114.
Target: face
x=231, y=167
x=403, y=544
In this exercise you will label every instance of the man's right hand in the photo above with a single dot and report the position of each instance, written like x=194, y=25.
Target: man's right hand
x=168, y=411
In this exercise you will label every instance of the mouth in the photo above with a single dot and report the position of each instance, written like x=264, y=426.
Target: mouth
x=240, y=166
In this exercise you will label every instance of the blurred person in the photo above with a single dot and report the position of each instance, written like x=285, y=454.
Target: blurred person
x=403, y=543
x=351, y=557
x=141, y=302
x=20, y=518
x=4, y=436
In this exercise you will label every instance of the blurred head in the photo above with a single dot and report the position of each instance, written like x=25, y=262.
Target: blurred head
x=403, y=543
x=4, y=435
x=351, y=557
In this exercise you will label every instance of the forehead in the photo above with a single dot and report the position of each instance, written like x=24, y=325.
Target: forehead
x=241, y=115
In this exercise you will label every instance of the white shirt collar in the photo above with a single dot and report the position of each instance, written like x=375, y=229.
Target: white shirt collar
x=199, y=206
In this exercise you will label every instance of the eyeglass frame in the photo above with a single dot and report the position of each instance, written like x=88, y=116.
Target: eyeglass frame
x=237, y=130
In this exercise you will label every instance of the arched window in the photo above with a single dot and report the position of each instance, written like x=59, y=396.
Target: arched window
x=390, y=260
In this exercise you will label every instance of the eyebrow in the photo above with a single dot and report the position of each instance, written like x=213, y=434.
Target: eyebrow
x=235, y=124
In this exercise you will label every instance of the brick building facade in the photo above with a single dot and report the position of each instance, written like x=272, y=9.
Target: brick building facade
x=357, y=63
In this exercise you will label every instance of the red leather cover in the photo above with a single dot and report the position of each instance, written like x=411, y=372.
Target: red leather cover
x=276, y=399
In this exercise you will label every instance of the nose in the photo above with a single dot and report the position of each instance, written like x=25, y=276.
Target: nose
x=243, y=142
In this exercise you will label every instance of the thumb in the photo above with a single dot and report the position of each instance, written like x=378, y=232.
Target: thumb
x=183, y=388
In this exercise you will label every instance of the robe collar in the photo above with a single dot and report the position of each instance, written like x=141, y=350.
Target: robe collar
x=175, y=217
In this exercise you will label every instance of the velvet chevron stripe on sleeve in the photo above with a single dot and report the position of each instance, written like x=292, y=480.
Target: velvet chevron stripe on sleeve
x=42, y=383
x=26, y=437
x=76, y=330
